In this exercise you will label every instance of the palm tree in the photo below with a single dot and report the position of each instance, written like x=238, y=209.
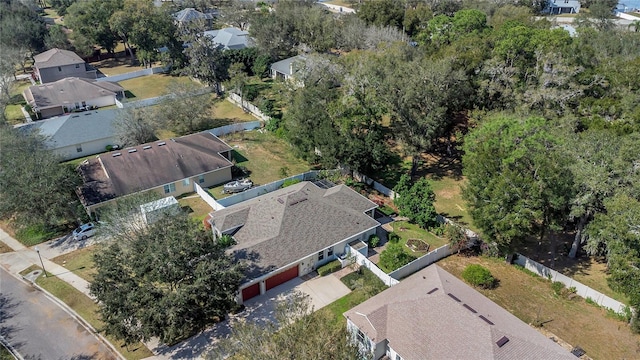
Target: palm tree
x=635, y=24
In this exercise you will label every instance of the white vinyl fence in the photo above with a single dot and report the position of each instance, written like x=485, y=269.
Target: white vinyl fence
x=261, y=190
x=363, y=261
x=134, y=74
x=421, y=262
x=245, y=105
x=376, y=185
x=581, y=289
x=622, y=15
x=158, y=99
x=204, y=195
x=234, y=128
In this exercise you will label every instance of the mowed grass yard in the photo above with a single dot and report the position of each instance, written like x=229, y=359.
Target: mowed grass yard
x=150, y=86
x=266, y=156
x=79, y=262
x=531, y=299
x=12, y=111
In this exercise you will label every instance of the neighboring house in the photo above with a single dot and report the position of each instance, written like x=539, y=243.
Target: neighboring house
x=170, y=168
x=231, y=38
x=291, y=231
x=55, y=64
x=69, y=94
x=188, y=15
x=433, y=315
x=287, y=68
x=76, y=135
x=563, y=7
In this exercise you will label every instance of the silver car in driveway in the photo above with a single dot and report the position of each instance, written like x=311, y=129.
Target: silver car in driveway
x=84, y=231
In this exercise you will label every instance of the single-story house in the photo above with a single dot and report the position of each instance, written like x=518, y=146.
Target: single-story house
x=170, y=168
x=188, y=15
x=78, y=134
x=287, y=68
x=70, y=94
x=55, y=64
x=562, y=7
x=433, y=315
x=291, y=231
x=231, y=38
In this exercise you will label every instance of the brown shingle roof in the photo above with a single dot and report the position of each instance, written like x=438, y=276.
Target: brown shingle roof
x=150, y=165
x=419, y=325
x=69, y=91
x=56, y=57
x=289, y=224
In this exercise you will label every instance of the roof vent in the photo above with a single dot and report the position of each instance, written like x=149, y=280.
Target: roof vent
x=116, y=154
x=503, y=340
x=486, y=320
x=161, y=143
x=469, y=308
x=453, y=297
x=146, y=147
x=432, y=291
x=132, y=151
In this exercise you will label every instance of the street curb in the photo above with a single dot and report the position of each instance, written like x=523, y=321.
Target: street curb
x=16, y=355
x=73, y=314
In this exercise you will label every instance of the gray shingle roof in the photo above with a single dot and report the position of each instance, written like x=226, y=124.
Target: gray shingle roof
x=230, y=38
x=69, y=91
x=150, y=165
x=56, y=57
x=191, y=14
x=285, y=66
x=284, y=226
x=67, y=130
x=419, y=325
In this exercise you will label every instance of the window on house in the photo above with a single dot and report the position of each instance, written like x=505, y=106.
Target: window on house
x=330, y=252
x=320, y=255
x=59, y=68
x=169, y=188
x=185, y=182
x=79, y=148
x=200, y=179
x=360, y=336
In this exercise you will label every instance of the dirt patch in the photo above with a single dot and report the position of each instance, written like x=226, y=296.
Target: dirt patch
x=447, y=193
x=417, y=245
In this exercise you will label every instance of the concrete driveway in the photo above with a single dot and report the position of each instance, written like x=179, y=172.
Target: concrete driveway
x=322, y=290
x=64, y=245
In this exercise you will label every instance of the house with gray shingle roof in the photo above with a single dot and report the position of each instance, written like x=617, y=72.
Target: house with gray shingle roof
x=433, y=315
x=76, y=135
x=169, y=168
x=55, y=64
x=69, y=94
x=231, y=38
x=562, y=7
x=188, y=15
x=292, y=231
x=286, y=69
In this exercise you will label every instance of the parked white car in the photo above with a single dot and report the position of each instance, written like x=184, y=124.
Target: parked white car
x=84, y=231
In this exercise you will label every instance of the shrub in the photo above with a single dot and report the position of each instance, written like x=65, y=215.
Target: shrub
x=34, y=234
x=374, y=240
x=478, y=275
x=387, y=210
x=109, y=147
x=226, y=240
x=394, y=257
x=329, y=267
x=557, y=287
x=393, y=237
x=438, y=230
x=290, y=182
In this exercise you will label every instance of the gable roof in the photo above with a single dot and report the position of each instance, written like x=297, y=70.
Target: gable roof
x=564, y=4
x=150, y=165
x=434, y=315
x=56, y=57
x=286, y=225
x=191, y=14
x=69, y=91
x=230, y=38
x=72, y=129
x=286, y=66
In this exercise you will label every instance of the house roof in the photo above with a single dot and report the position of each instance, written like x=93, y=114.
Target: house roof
x=56, y=57
x=230, y=38
x=286, y=225
x=433, y=315
x=191, y=14
x=76, y=128
x=69, y=91
x=564, y=4
x=150, y=165
x=285, y=66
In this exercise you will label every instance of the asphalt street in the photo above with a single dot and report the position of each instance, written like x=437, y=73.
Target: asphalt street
x=40, y=329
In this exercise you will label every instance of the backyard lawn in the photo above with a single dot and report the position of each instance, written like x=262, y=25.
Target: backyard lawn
x=408, y=231
x=80, y=262
x=532, y=299
x=150, y=86
x=223, y=109
x=267, y=158
x=197, y=208
x=12, y=111
x=113, y=66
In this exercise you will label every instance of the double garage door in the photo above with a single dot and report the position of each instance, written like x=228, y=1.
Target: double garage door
x=270, y=283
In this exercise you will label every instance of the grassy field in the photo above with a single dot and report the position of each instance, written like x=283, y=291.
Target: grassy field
x=111, y=67
x=5, y=354
x=88, y=310
x=149, y=86
x=264, y=155
x=195, y=206
x=80, y=262
x=12, y=111
x=531, y=299
x=223, y=109
x=408, y=231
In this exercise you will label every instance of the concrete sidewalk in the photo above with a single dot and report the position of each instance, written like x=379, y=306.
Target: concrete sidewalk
x=22, y=257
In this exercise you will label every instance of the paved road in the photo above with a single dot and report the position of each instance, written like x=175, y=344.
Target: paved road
x=39, y=329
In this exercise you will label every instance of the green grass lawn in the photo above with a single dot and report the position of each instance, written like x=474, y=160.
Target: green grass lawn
x=223, y=109
x=150, y=86
x=80, y=262
x=12, y=110
x=197, y=208
x=116, y=66
x=88, y=310
x=408, y=231
x=5, y=354
x=449, y=202
x=14, y=115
